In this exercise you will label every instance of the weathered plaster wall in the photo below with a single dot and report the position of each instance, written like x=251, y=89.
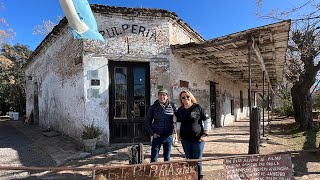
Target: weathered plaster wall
x=179, y=35
x=185, y=70
x=161, y=73
x=64, y=70
x=143, y=39
x=127, y=35
x=227, y=91
x=132, y=39
x=127, y=42
x=97, y=96
x=59, y=74
x=199, y=78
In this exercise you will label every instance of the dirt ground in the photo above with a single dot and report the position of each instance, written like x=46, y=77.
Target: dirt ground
x=281, y=137
x=284, y=136
x=233, y=140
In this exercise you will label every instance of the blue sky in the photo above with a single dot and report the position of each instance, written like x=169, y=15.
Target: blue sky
x=210, y=18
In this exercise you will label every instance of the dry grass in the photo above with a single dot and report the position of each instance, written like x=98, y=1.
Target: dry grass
x=300, y=140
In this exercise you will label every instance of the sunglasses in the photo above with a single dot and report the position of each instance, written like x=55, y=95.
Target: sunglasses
x=185, y=97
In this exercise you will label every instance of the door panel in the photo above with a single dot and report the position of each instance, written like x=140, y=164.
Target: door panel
x=139, y=88
x=129, y=99
x=35, y=104
x=120, y=88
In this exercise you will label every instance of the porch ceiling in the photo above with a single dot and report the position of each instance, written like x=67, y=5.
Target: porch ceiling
x=228, y=55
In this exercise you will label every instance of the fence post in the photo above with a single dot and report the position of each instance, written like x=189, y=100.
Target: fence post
x=136, y=154
x=255, y=127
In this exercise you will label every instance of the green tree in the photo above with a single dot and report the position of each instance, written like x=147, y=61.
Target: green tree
x=12, y=86
x=303, y=55
x=306, y=48
x=284, y=94
x=12, y=78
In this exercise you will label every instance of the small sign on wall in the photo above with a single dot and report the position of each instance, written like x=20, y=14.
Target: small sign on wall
x=184, y=84
x=93, y=93
x=93, y=74
x=95, y=82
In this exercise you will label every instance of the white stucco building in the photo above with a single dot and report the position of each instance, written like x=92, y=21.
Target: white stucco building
x=73, y=83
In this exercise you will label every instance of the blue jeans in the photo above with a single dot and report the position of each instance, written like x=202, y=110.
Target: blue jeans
x=194, y=150
x=166, y=141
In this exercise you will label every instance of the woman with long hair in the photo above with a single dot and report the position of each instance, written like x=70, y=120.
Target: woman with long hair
x=192, y=127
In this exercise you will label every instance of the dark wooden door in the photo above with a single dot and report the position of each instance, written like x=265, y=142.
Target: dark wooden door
x=35, y=104
x=129, y=100
x=213, y=103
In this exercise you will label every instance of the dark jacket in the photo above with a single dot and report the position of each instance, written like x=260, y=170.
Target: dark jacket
x=160, y=119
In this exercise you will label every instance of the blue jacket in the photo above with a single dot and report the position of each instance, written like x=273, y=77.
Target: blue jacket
x=160, y=119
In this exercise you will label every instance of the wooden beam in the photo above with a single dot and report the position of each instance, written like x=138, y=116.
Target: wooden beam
x=233, y=69
x=257, y=52
x=215, y=53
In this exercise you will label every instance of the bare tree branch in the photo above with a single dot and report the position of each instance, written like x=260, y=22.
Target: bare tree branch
x=46, y=27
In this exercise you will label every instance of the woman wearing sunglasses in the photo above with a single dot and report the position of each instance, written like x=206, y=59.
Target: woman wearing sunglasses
x=192, y=127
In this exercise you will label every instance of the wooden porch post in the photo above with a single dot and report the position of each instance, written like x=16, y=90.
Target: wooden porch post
x=263, y=104
x=249, y=42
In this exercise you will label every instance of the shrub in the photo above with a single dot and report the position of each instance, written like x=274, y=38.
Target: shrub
x=286, y=110
x=90, y=132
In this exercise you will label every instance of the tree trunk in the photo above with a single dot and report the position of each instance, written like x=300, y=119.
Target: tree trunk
x=302, y=104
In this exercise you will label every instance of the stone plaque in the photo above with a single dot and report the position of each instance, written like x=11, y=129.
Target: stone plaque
x=165, y=171
x=262, y=167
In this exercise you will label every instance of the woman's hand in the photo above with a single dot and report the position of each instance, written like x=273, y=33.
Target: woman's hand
x=204, y=136
x=155, y=135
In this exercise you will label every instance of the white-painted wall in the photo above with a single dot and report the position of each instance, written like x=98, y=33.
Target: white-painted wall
x=199, y=78
x=66, y=101
x=97, y=107
x=145, y=36
x=60, y=86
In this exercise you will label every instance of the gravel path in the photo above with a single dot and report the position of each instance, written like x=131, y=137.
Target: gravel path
x=18, y=150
